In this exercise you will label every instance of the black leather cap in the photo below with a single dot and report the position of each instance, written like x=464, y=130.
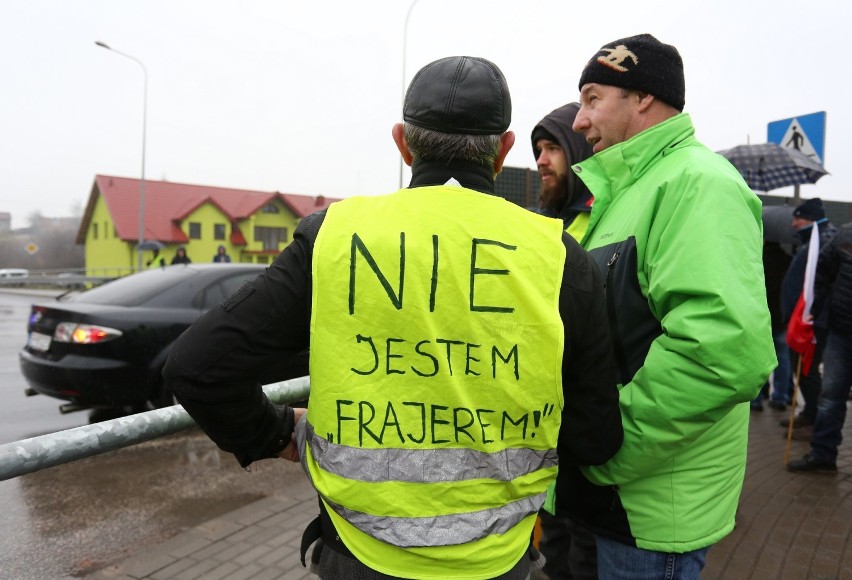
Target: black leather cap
x=459, y=94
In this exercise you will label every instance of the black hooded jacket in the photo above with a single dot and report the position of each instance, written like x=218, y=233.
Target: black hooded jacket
x=556, y=126
x=833, y=284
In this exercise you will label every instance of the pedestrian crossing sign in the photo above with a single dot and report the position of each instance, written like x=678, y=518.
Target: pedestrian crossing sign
x=805, y=133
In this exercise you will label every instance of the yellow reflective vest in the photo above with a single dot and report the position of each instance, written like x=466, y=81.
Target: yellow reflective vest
x=578, y=226
x=436, y=392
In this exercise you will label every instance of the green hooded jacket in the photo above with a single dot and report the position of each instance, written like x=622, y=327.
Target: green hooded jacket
x=678, y=235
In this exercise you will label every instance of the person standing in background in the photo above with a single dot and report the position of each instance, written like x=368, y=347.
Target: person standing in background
x=181, y=257
x=806, y=216
x=776, y=262
x=556, y=148
x=156, y=260
x=832, y=296
x=221, y=255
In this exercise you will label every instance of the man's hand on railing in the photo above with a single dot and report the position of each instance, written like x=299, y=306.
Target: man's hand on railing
x=291, y=452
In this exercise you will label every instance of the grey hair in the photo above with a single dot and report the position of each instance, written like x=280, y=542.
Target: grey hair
x=428, y=145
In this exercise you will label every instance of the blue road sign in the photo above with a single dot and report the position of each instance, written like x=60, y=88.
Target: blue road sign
x=805, y=133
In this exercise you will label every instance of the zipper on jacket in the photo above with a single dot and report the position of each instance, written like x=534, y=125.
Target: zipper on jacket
x=613, y=504
x=620, y=358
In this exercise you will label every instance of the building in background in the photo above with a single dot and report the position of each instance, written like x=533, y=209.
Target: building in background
x=519, y=185
x=254, y=226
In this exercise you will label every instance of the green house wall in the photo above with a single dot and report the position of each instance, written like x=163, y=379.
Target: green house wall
x=108, y=255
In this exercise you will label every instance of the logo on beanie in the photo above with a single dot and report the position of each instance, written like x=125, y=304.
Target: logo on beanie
x=616, y=56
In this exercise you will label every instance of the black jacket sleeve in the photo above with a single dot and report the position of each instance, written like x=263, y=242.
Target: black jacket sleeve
x=591, y=429
x=258, y=336
x=833, y=283
x=826, y=273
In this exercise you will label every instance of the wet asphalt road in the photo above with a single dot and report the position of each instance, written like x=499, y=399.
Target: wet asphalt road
x=71, y=520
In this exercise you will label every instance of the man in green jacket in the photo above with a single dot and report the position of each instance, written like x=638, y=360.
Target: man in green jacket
x=678, y=236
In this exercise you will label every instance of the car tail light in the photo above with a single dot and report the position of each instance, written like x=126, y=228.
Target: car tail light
x=35, y=316
x=84, y=333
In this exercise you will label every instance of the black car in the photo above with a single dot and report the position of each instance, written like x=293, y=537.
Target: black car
x=106, y=347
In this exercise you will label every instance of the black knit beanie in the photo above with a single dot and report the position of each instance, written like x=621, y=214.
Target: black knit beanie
x=810, y=210
x=539, y=133
x=640, y=63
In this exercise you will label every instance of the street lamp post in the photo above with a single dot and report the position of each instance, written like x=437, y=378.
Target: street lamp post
x=404, y=51
x=144, y=130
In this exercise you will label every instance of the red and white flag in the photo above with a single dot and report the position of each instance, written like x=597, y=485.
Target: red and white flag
x=800, y=329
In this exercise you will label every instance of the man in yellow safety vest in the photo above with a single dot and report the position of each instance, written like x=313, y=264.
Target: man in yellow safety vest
x=451, y=333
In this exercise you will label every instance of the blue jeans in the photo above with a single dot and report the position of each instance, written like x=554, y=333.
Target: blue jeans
x=810, y=385
x=831, y=411
x=617, y=561
x=782, y=376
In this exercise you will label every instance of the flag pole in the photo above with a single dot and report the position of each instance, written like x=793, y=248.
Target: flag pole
x=793, y=412
x=800, y=327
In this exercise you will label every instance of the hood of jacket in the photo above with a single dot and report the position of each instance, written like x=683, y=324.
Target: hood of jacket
x=558, y=124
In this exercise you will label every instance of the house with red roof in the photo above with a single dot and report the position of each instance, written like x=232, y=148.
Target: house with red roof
x=253, y=226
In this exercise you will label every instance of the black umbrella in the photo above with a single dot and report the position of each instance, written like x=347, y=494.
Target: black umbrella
x=778, y=225
x=150, y=245
x=768, y=166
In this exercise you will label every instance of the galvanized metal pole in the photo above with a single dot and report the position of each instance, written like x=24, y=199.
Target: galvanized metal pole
x=37, y=453
x=404, y=52
x=141, y=223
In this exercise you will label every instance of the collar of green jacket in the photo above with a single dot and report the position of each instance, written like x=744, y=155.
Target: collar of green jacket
x=617, y=167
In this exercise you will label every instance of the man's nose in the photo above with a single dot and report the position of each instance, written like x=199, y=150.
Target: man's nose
x=581, y=123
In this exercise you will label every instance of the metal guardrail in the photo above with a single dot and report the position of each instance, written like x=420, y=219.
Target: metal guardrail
x=68, y=278
x=37, y=453
x=60, y=282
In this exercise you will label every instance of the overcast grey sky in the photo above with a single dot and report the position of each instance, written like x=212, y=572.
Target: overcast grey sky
x=300, y=97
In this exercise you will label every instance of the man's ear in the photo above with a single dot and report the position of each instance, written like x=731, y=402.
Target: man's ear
x=507, y=140
x=399, y=138
x=645, y=100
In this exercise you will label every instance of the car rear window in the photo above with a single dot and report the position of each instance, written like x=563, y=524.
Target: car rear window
x=135, y=289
